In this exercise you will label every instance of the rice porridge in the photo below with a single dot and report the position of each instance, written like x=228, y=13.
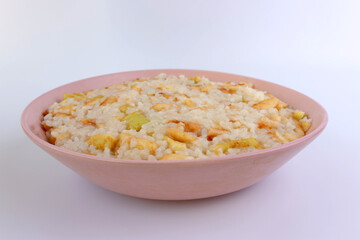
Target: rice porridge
x=172, y=118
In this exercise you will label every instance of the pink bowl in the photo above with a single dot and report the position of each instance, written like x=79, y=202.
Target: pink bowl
x=174, y=180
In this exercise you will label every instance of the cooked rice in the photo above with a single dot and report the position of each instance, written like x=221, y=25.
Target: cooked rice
x=172, y=117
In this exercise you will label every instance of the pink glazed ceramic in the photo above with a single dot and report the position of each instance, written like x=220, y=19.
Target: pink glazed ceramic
x=180, y=179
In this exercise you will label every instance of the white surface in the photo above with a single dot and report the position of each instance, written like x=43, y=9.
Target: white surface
x=310, y=46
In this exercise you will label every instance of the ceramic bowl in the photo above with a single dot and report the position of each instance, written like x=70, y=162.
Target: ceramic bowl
x=180, y=179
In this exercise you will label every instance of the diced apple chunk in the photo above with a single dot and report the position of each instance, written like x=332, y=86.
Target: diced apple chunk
x=173, y=156
x=305, y=125
x=266, y=104
x=102, y=141
x=141, y=143
x=161, y=106
x=196, y=79
x=93, y=100
x=192, y=127
x=76, y=96
x=123, y=108
x=298, y=115
x=189, y=103
x=60, y=114
x=243, y=143
x=180, y=135
x=175, y=145
x=265, y=122
x=135, y=120
x=214, y=132
x=290, y=136
x=109, y=100
x=275, y=117
x=66, y=108
x=280, y=137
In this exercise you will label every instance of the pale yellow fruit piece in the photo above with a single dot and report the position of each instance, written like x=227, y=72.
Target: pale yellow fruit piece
x=265, y=122
x=196, y=79
x=67, y=108
x=180, y=135
x=109, y=100
x=161, y=106
x=146, y=144
x=298, y=129
x=135, y=120
x=141, y=143
x=124, y=108
x=266, y=104
x=192, y=127
x=188, y=126
x=93, y=100
x=76, y=96
x=173, y=156
x=228, y=88
x=305, y=125
x=250, y=85
x=175, y=145
x=298, y=115
x=163, y=86
x=60, y=114
x=139, y=90
x=247, y=142
x=290, y=136
x=280, y=137
x=214, y=132
x=189, y=103
x=102, y=141
x=280, y=103
x=243, y=143
x=223, y=146
x=275, y=117
x=206, y=89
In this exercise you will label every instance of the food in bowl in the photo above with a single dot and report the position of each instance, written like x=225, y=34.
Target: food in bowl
x=182, y=179
x=171, y=117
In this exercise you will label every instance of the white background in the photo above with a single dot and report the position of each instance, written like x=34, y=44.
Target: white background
x=310, y=46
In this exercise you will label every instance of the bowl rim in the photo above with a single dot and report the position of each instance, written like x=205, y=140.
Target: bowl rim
x=83, y=156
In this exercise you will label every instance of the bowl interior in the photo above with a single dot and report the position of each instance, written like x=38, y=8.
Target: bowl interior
x=32, y=115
